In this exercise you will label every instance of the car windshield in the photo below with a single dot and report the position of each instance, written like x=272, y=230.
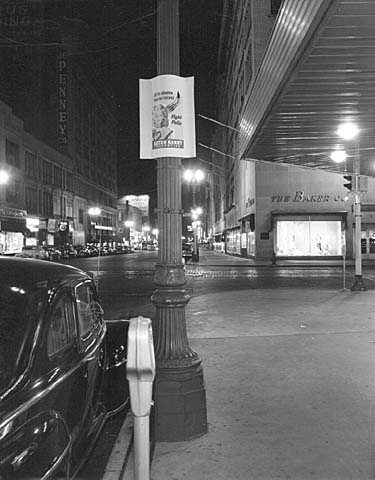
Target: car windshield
x=18, y=314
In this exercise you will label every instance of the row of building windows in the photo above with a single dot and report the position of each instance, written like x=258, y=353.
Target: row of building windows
x=39, y=168
x=38, y=202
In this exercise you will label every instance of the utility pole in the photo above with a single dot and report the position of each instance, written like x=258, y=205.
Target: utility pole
x=180, y=398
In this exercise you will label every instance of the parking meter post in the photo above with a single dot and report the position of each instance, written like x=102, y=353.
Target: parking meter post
x=142, y=448
x=140, y=372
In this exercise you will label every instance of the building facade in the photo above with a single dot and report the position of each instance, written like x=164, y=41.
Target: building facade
x=37, y=201
x=246, y=26
x=272, y=210
x=50, y=81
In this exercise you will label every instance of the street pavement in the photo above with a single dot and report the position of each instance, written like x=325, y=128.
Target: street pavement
x=289, y=377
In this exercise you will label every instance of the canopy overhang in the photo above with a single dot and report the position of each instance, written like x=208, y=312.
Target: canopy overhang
x=317, y=73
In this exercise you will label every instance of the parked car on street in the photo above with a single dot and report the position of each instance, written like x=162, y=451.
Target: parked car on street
x=34, y=251
x=53, y=253
x=63, y=369
x=187, y=251
x=68, y=251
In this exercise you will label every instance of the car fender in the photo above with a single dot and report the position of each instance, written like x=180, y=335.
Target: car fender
x=38, y=448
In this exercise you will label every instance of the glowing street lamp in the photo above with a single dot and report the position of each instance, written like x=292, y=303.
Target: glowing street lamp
x=348, y=131
x=338, y=156
x=193, y=176
x=4, y=177
x=94, y=211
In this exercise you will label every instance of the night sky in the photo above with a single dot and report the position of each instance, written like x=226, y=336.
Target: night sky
x=124, y=43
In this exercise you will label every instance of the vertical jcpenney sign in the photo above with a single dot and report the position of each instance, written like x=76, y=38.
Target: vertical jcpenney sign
x=62, y=99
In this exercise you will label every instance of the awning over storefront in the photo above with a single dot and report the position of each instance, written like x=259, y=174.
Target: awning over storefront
x=13, y=224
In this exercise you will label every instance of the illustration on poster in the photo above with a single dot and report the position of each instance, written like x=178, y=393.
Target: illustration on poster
x=160, y=120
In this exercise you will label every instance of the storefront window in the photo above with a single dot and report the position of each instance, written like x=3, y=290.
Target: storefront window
x=308, y=238
x=251, y=243
x=234, y=242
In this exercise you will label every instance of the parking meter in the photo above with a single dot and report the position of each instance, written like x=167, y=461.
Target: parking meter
x=140, y=370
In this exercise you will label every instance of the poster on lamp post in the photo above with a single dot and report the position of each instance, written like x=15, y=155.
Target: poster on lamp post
x=167, y=118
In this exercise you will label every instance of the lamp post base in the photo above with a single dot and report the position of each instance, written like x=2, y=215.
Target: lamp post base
x=358, y=285
x=180, y=408
x=180, y=411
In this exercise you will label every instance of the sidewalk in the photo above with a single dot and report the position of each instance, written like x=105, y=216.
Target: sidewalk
x=210, y=258
x=289, y=376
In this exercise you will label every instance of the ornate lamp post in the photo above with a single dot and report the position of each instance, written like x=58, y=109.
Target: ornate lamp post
x=196, y=212
x=194, y=177
x=180, y=400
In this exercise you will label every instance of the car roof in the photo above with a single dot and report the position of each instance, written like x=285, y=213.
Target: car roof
x=36, y=274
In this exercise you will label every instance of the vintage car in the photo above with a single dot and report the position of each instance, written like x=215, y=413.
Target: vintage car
x=62, y=369
x=187, y=251
x=34, y=251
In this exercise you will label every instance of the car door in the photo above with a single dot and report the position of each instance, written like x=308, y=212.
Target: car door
x=56, y=393
x=92, y=351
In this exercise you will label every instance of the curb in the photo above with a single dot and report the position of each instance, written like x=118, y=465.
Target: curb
x=116, y=468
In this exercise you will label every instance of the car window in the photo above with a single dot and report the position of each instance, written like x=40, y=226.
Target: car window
x=19, y=315
x=89, y=310
x=61, y=325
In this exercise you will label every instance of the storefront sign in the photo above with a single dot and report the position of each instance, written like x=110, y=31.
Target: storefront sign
x=301, y=196
x=63, y=226
x=13, y=224
x=139, y=201
x=167, y=119
x=62, y=99
x=51, y=225
x=32, y=224
x=12, y=212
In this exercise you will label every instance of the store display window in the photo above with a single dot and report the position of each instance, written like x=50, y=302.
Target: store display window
x=251, y=243
x=299, y=238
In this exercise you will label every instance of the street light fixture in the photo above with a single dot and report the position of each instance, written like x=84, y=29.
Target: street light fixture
x=193, y=176
x=349, y=131
x=4, y=177
x=338, y=156
x=94, y=211
x=195, y=213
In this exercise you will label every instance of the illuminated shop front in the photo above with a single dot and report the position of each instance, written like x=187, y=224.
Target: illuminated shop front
x=233, y=241
x=308, y=238
x=12, y=230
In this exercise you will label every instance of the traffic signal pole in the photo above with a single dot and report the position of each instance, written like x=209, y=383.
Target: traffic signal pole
x=358, y=284
x=180, y=399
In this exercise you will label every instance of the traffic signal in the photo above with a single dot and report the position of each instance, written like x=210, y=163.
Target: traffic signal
x=349, y=179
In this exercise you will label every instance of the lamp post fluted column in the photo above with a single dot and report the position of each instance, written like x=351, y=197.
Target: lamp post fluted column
x=180, y=400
